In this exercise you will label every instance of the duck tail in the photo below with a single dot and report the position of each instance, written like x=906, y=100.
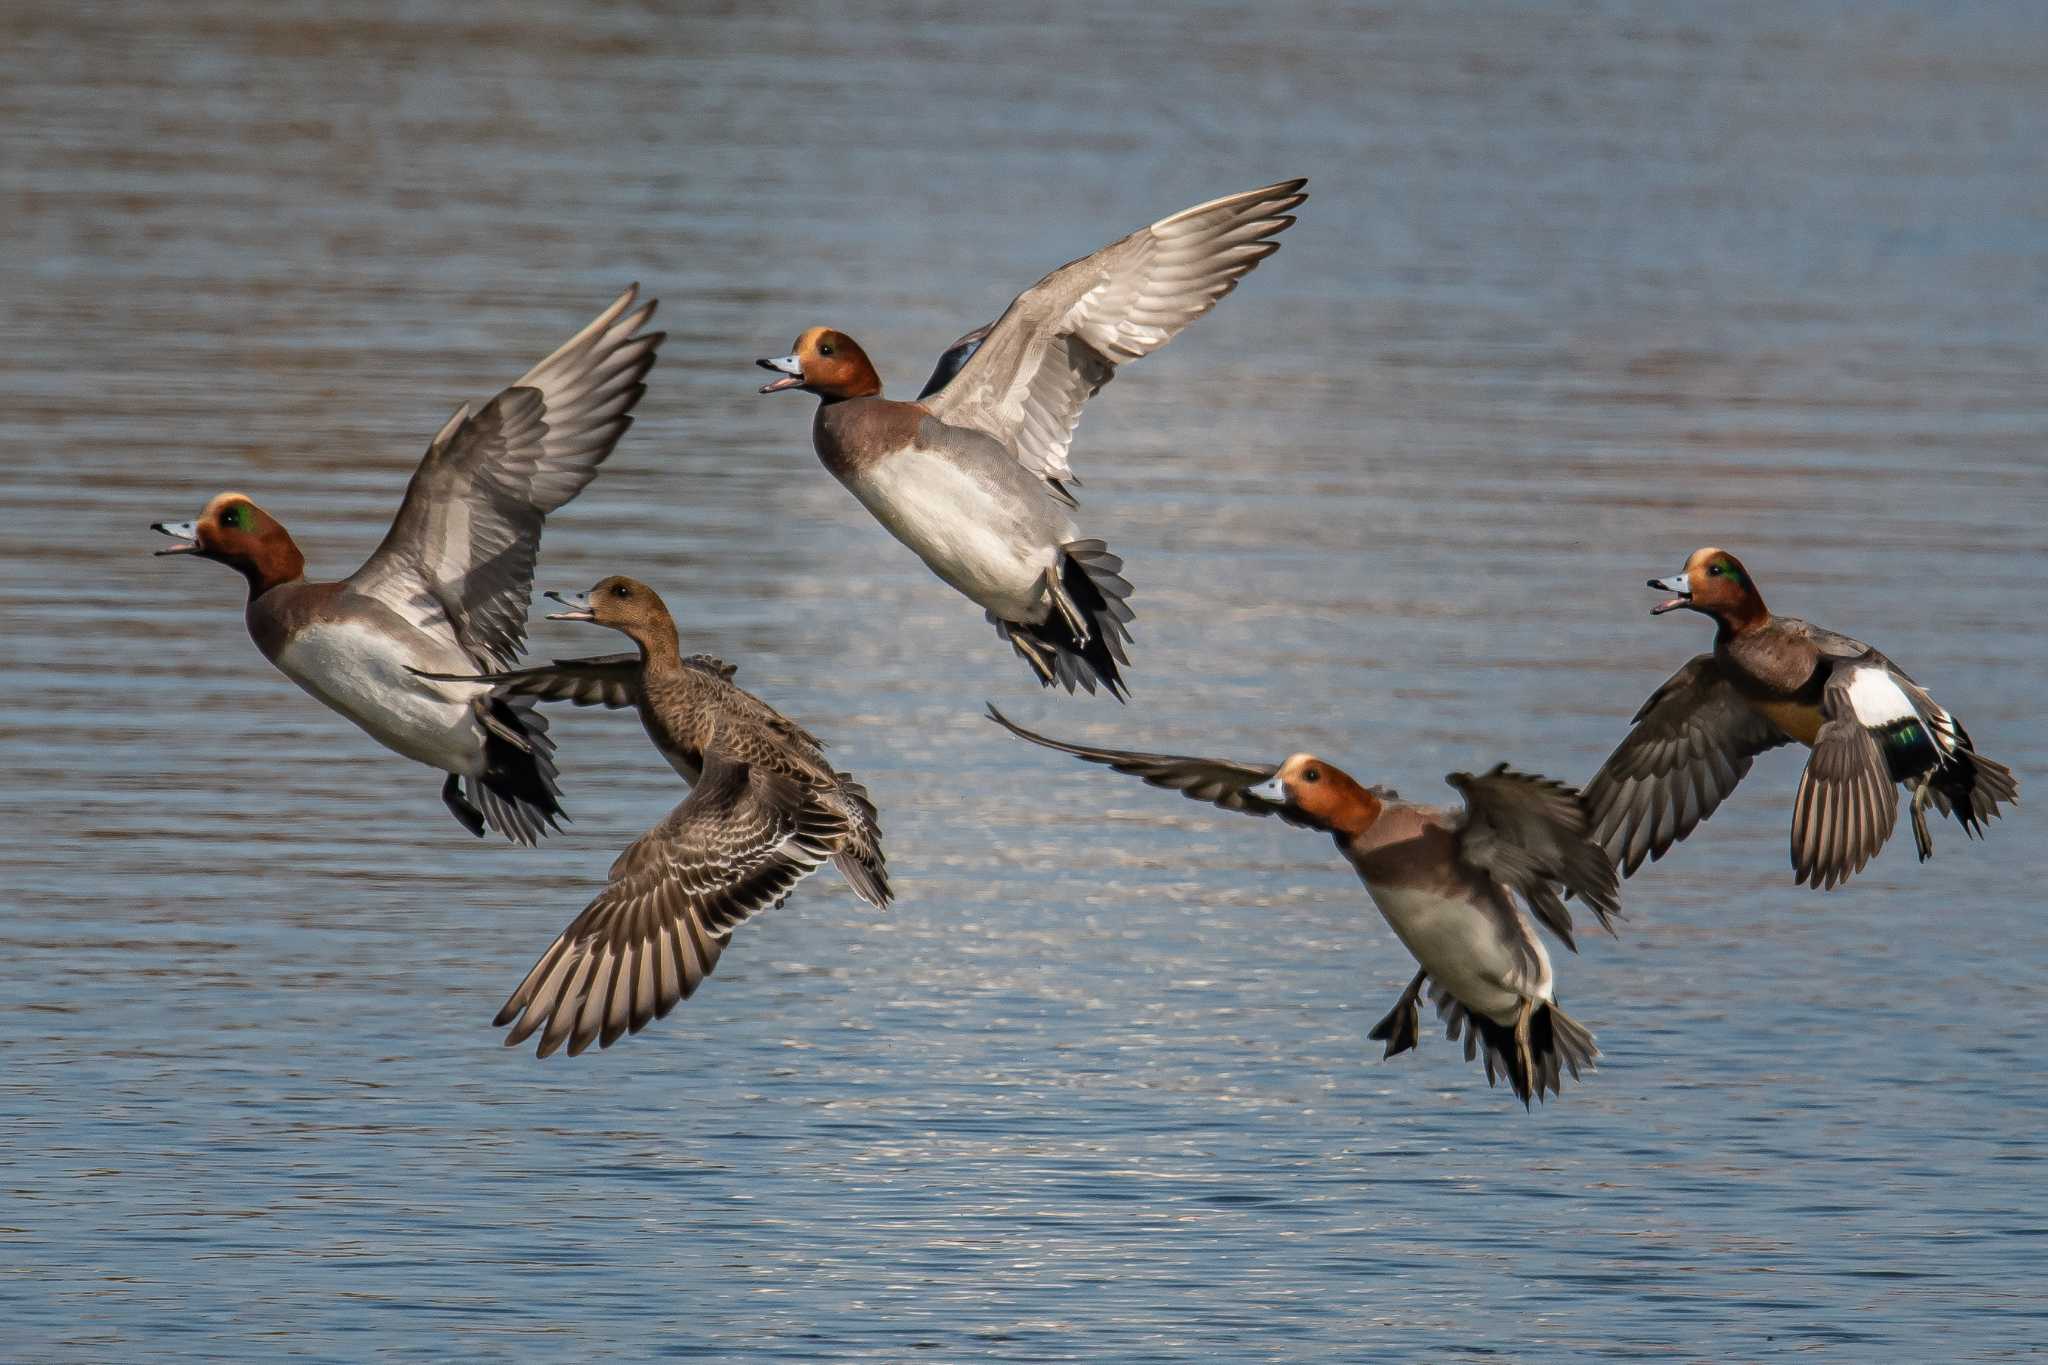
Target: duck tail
x=517, y=790
x=1081, y=640
x=1966, y=786
x=860, y=858
x=1557, y=1043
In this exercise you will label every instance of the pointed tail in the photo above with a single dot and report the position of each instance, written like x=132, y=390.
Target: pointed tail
x=517, y=792
x=1966, y=786
x=1081, y=640
x=1557, y=1043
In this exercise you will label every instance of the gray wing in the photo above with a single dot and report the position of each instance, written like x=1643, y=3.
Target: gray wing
x=1219, y=781
x=1693, y=741
x=1532, y=834
x=607, y=680
x=1062, y=339
x=1846, y=804
x=739, y=843
x=459, y=555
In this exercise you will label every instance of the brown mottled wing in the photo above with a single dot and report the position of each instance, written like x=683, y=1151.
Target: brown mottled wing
x=1532, y=834
x=738, y=844
x=860, y=859
x=606, y=680
x=1062, y=339
x=1219, y=781
x=1693, y=741
x=459, y=556
x=1846, y=804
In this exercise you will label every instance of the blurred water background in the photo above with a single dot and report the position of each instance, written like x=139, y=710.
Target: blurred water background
x=1581, y=287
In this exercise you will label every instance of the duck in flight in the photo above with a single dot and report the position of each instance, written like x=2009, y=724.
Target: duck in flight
x=447, y=591
x=1773, y=680
x=1445, y=880
x=973, y=476
x=765, y=810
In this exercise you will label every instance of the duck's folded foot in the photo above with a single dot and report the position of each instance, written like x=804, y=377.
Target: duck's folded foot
x=489, y=719
x=1068, y=610
x=472, y=819
x=1402, y=1028
x=1923, y=842
x=1525, y=1056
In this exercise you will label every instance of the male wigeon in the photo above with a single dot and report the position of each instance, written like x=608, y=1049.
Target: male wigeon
x=973, y=476
x=765, y=809
x=448, y=588
x=1445, y=880
x=1772, y=680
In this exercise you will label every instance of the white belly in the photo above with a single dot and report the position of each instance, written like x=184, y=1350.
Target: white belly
x=1461, y=949
x=987, y=542
x=362, y=674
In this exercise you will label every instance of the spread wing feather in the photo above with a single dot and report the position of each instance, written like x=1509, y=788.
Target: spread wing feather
x=459, y=555
x=1062, y=339
x=1846, y=804
x=1532, y=834
x=738, y=844
x=1692, y=742
x=1219, y=781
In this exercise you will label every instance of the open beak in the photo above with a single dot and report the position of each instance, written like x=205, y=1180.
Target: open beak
x=578, y=604
x=789, y=367
x=184, y=531
x=1272, y=789
x=1679, y=584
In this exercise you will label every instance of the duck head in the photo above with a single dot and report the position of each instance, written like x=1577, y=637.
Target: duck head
x=623, y=604
x=1326, y=795
x=827, y=363
x=1715, y=584
x=236, y=532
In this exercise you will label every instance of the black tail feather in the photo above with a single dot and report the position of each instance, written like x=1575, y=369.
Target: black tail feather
x=517, y=792
x=1096, y=592
x=1967, y=787
x=1557, y=1043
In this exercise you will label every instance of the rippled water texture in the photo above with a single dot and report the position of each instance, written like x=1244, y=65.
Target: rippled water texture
x=1581, y=287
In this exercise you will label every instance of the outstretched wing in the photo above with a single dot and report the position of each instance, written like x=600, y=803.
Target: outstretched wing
x=1693, y=741
x=603, y=680
x=459, y=555
x=1531, y=833
x=1219, y=781
x=1846, y=804
x=1062, y=339
x=739, y=843
x=607, y=680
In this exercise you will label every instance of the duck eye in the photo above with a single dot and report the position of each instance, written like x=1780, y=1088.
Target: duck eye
x=1312, y=775
x=621, y=590
x=1713, y=571
x=824, y=348
x=232, y=518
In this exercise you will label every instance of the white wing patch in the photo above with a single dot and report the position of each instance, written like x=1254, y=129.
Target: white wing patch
x=1878, y=700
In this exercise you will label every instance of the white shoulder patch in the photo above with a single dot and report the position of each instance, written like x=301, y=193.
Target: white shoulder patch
x=1877, y=698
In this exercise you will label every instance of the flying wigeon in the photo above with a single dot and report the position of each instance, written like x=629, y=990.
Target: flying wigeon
x=447, y=590
x=1445, y=880
x=765, y=809
x=1771, y=680
x=973, y=476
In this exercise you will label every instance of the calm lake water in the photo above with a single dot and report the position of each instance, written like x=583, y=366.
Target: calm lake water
x=1581, y=287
